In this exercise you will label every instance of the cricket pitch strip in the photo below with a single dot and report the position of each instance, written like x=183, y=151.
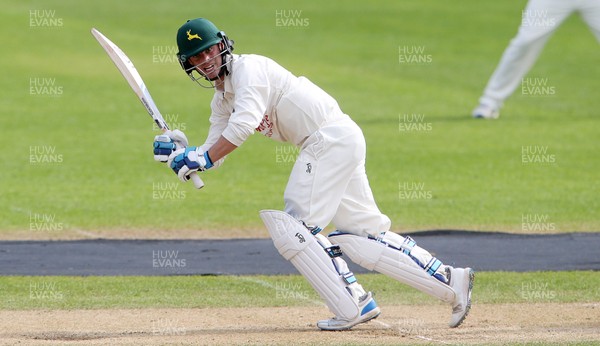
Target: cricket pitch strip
x=557, y=323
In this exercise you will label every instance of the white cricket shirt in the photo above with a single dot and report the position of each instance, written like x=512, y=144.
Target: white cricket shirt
x=262, y=96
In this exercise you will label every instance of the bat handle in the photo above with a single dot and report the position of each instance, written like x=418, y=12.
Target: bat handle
x=198, y=183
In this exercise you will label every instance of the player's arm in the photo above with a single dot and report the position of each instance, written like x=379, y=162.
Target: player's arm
x=190, y=159
x=184, y=160
x=252, y=93
x=220, y=149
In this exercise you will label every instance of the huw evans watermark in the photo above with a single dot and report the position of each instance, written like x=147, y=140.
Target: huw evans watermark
x=167, y=326
x=45, y=290
x=167, y=259
x=412, y=326
x=290, y=291
x=413, y=54
x=44, y=86
x=167, y=191
x=414, y=191
x=413, y=123
x=44, y=154
x=537, y=18
x=537, y=87
x=286, y=154
x=174, y=122
x=44, y=223
x=537, y=154
x=164, y=55
x=537, y=222
x=44, y=18
x=537, y=291
x=290, y=18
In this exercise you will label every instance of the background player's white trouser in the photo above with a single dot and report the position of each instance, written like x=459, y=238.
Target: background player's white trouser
x=539, y=21
x=318, y=261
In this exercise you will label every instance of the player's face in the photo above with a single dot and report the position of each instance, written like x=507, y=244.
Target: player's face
x=206, y=62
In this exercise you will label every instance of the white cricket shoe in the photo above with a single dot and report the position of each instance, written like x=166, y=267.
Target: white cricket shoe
x=461, y=281
x=368, y=311
x=486, y=112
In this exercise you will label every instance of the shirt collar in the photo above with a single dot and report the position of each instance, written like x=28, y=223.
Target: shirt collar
x=227, y=83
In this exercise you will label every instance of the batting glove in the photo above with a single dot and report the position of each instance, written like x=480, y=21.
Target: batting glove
x=165, y=144
x=187, y=160
x=163, y=147
x=178, y=137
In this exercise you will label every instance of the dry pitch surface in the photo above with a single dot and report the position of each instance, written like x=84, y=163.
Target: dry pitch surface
x=558, y=323
x=403, y=324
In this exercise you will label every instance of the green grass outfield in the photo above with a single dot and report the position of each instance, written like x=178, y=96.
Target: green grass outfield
x=59, y=292
x=77, y=141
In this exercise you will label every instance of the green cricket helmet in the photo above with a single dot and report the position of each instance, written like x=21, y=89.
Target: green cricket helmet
x=197, y=35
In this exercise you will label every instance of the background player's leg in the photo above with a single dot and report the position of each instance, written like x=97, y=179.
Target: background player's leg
x=539, y=21
x=590, y=13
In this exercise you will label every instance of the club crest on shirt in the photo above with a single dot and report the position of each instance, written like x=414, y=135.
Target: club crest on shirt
x=266, y=126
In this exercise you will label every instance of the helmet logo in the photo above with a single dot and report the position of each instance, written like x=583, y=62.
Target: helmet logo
x=192, y=36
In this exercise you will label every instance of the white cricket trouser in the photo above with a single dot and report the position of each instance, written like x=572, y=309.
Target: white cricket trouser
x=328, y=182
x=539, y=21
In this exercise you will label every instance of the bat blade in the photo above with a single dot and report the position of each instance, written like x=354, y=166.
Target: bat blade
x=135, y=81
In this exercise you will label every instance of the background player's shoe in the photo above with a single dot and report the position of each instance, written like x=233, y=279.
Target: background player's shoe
x=368, y=311
x=486, y=112
x=461, y=281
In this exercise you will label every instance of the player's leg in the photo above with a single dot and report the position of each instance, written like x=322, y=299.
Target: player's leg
x=317, y=181
x=590, y=13
x=322, y=172
x=398, y=258
x=359, y=214
x=320, y=263
x=357, y=211
x=366, y=239
x=539, y=21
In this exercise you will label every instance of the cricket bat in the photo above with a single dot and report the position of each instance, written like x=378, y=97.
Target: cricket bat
x=136, y=83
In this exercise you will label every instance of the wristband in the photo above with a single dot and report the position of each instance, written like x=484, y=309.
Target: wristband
x=209, y=162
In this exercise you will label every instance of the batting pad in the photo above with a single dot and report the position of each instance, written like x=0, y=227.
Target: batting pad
x=375, y=255
x=301, y=248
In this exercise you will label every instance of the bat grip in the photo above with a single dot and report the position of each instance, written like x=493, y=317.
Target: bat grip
x=198, y=183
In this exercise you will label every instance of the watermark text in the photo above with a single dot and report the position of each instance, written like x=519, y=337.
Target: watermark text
x=414, y=54
x=44, y=18
x=290, y=18
x=413, y=191
x=413, y=123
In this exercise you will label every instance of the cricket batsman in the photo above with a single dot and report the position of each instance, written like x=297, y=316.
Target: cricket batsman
x=328, y=182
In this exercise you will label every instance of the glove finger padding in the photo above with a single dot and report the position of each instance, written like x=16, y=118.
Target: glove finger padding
x=163, y=148
x=186, y=161
x=183, y=162
x=191, y=164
